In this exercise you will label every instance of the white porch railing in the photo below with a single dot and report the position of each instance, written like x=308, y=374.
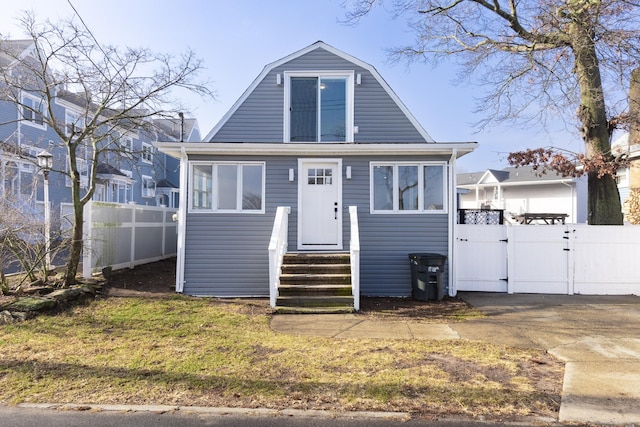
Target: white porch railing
x=277, y=248
x=354, y=252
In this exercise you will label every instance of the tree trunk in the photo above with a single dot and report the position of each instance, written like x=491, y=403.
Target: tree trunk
x=75, y=249
x=600, y=194
x=603, y=197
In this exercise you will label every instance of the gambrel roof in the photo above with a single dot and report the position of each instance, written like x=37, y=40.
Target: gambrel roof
x=313, y=47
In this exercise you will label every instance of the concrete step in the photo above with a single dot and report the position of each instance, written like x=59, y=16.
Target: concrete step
x=313, y=310
x=316, y=258
x=316, y=269
x=311, y=301
x=315, y=290
x=315, y=282
x=315, y=279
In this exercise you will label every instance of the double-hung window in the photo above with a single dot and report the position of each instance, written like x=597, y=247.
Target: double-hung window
x=227, y=187
x=408, y=187
x=126, y=145
x=33, y=111
x=74, y=123
x=83, y=170
x=148, y=187
x=319, y=107
x=147, y=153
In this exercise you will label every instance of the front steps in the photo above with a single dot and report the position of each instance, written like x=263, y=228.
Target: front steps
x=315, y=282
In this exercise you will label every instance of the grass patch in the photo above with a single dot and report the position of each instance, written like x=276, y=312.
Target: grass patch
x=206, y=352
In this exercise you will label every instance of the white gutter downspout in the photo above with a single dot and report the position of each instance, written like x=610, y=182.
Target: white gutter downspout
x=453, y=211
x=182, y=220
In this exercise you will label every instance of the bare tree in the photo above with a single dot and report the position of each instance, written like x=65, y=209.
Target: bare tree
x=117, y=90
x=566, y=58
x=22, y=230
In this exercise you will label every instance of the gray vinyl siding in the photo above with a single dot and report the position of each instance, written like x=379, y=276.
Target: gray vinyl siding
x=227, y=255
x=386, y=240
x=260, y=118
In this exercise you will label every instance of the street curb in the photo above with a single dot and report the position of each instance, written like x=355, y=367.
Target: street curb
x=218, y=411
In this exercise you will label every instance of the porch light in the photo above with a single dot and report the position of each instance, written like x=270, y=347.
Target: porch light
x=291, y=175
x=348, y=172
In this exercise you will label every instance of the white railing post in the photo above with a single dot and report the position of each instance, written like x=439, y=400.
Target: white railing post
x=354, y=253
x=277, y=248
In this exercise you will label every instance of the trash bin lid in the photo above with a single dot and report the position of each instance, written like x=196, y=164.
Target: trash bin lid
x=427, y=258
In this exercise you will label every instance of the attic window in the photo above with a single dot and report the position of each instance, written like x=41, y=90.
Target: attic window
x=319, y=107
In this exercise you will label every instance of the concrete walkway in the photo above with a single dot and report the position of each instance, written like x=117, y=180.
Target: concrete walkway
x=598, y=337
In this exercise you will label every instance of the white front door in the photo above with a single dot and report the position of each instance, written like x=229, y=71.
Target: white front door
x=319, y=204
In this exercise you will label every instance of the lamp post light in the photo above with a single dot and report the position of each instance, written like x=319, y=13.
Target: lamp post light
x=45, y=161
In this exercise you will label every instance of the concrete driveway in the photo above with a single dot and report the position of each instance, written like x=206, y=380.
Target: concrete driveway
x=597, y=336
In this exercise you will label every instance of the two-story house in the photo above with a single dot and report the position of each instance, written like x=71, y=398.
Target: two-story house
x=321, y=155
x=131, y=171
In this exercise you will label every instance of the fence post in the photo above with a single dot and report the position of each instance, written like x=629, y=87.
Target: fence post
x=87, y=249
x=133, y=236
x=510, y=260
x=571, y=259
x=164, y=230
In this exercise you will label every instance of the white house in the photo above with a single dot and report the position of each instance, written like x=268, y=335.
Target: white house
x=521, y=190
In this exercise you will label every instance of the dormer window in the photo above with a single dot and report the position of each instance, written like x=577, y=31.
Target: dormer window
x=318, y=107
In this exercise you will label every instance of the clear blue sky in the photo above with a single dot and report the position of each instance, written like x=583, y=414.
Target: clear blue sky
x=237, y=38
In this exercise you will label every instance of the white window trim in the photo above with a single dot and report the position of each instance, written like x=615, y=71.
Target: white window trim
x=421, y=210
x=29, y=122
x=83, y=169
x=128, y=148
x=70, y=118
x=214, y=189
x=145, y=189
x=147, y=150
x=348, y=75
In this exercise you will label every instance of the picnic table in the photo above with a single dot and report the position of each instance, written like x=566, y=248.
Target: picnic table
x=547, y=218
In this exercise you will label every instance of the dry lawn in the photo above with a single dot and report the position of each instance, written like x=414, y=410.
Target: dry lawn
x=141, y=344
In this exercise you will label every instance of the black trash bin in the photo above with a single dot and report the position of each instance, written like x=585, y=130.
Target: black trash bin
x=426, y=276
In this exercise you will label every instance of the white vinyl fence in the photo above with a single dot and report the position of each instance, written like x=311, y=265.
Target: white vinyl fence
x=553, y=259
x=125, y=235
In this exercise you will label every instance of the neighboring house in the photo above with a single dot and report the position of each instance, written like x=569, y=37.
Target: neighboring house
x=521, y=190
x=317, y=132
x=626, y=177
x=136, y=173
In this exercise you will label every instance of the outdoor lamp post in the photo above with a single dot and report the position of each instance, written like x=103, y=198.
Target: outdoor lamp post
x=45, y=161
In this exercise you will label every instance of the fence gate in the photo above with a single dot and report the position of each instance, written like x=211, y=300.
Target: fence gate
x=481, y=258
x=538, y=258
x=548, y=259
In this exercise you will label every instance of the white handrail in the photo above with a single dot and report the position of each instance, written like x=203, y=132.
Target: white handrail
x=277, y=248
x=354, y=253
